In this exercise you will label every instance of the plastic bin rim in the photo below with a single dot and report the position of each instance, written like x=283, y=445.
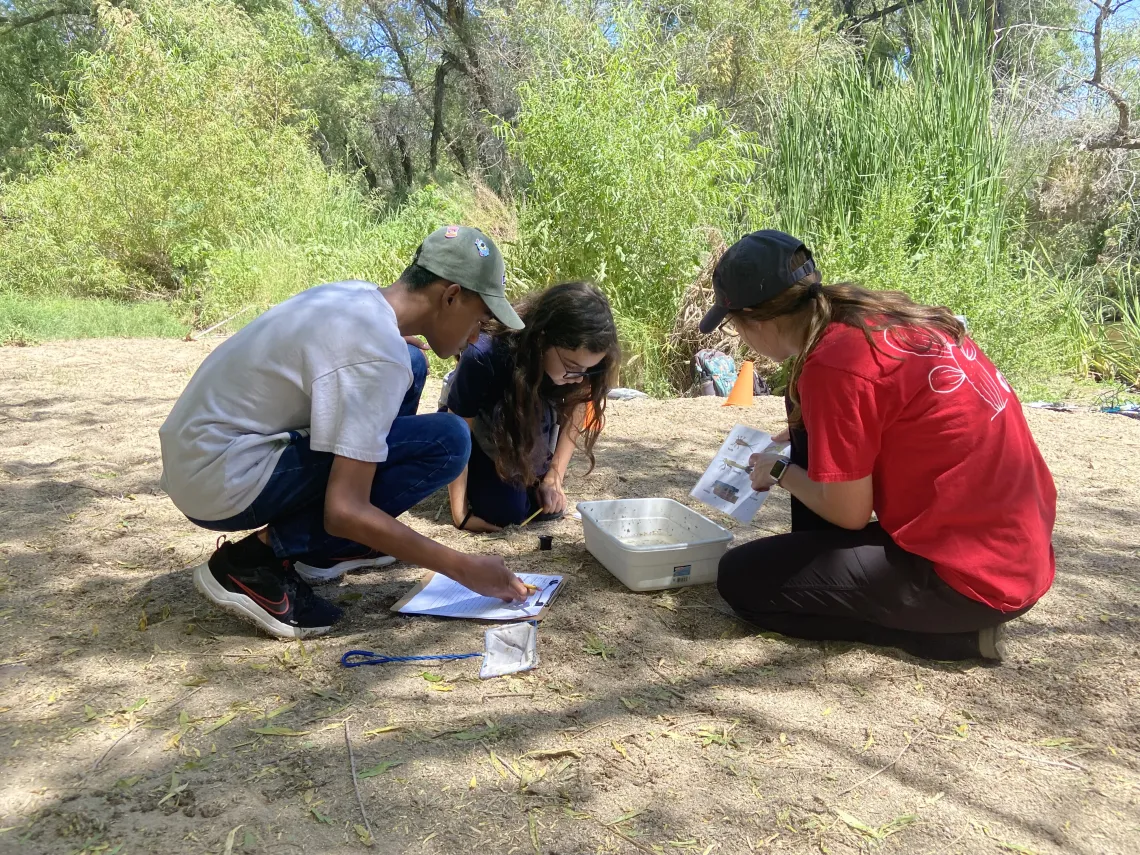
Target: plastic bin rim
x=726, y=536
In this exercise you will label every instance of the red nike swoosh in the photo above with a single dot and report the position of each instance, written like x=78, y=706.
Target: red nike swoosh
x=268, y=605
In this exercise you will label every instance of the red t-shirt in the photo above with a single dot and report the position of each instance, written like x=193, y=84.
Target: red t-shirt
x=957, y=476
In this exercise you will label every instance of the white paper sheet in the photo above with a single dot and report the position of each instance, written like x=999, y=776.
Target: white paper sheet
x=726, y=484
x=444, y=597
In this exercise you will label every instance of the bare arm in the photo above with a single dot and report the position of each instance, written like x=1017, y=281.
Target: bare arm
x=567, y=443
x=349, y=513
x=550, y=489
x=846, y=503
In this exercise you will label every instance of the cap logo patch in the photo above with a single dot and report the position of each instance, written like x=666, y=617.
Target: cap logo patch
x=452, y=231
x=481, y=245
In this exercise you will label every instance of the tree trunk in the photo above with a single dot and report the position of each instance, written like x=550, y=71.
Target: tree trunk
x=437, y=114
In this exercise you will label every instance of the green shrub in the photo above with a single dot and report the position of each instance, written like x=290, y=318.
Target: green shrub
x=894, y=176
x=625, y=169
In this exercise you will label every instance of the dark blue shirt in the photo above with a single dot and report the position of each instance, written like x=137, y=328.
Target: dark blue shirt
x=477, y=390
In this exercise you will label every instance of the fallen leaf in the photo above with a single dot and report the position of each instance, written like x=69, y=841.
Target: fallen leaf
x=222, y=722
x=620, y=749
x=364, y=834
x=497, y=765
x=431, y=678
x=473, y=783
x=230, y=840
x=280, y=709
x=379, y=769
x=551, y=753
x=386, y=729
x=175, y=789
x=532, y=823
x=596, y=647
x=855, y=823
x=626, y=817
x=279, y=731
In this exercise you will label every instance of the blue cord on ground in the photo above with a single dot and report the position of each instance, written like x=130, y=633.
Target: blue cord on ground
x=356, y=658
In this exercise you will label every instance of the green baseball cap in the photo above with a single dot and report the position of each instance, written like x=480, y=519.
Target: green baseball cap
x=470, y=259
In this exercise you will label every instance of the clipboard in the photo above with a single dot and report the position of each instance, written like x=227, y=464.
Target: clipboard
x=447, y=598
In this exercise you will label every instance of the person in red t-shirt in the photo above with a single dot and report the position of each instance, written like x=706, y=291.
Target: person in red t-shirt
x=904, y=417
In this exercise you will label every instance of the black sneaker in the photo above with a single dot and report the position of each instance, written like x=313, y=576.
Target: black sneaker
x=258, y=587
x=318, y=571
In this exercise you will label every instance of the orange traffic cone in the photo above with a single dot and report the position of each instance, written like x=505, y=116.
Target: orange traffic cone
x=591, y=418
x=741, y=394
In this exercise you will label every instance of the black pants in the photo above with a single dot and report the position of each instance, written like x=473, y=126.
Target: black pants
x=823, y=582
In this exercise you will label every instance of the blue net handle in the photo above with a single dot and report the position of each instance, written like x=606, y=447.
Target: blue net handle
x=356, y=658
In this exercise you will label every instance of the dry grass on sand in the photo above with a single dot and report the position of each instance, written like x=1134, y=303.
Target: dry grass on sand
x=135, y=718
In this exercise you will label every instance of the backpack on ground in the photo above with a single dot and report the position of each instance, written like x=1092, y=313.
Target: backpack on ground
x=714, y=373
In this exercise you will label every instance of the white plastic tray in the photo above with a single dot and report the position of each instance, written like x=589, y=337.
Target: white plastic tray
x=650, y=544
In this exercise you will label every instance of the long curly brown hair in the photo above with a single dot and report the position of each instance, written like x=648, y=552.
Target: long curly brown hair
x=570, y=315
x=865, y=310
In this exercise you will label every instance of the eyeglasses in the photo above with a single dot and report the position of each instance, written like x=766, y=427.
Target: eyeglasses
x=588, y=372
x=727, y=327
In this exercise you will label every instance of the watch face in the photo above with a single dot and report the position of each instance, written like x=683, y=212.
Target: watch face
x=778, y=469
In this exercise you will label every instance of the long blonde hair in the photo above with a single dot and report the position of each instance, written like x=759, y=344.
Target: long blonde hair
x=845, y=303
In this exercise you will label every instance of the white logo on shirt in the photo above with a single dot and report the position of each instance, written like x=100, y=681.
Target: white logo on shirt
x=963, y=366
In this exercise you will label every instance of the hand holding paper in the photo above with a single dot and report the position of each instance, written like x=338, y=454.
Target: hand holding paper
x=437, y=595
x=490, y=576
x=727, y=483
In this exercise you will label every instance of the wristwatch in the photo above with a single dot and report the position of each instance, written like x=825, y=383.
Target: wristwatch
x=779, y=468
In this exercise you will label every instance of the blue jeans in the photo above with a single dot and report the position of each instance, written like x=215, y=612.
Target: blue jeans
x=424, y=453
x=494, y=500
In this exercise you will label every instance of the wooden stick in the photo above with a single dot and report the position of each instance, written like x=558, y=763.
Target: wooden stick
x=528, y=519
x=496, y=759
x=95, y=490
x=591, y=727
x=906, y=748
x=196, y=336
x=613, y=829
x=355, y=784
x=1063, y=764
x=139, y=724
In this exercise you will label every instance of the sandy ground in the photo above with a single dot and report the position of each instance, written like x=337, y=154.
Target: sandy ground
x=135, y=718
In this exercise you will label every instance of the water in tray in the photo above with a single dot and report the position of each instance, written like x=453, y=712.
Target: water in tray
x=652, y=538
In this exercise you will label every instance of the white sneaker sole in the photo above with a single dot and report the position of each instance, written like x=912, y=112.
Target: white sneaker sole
x=245, y=608
x=324, y=575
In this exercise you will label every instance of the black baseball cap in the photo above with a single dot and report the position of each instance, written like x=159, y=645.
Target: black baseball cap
x=753, y=270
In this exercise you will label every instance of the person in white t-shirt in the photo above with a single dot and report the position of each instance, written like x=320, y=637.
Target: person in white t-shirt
x=303, y=426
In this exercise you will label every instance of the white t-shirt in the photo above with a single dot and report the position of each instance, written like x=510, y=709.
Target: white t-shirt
x=330, y=361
